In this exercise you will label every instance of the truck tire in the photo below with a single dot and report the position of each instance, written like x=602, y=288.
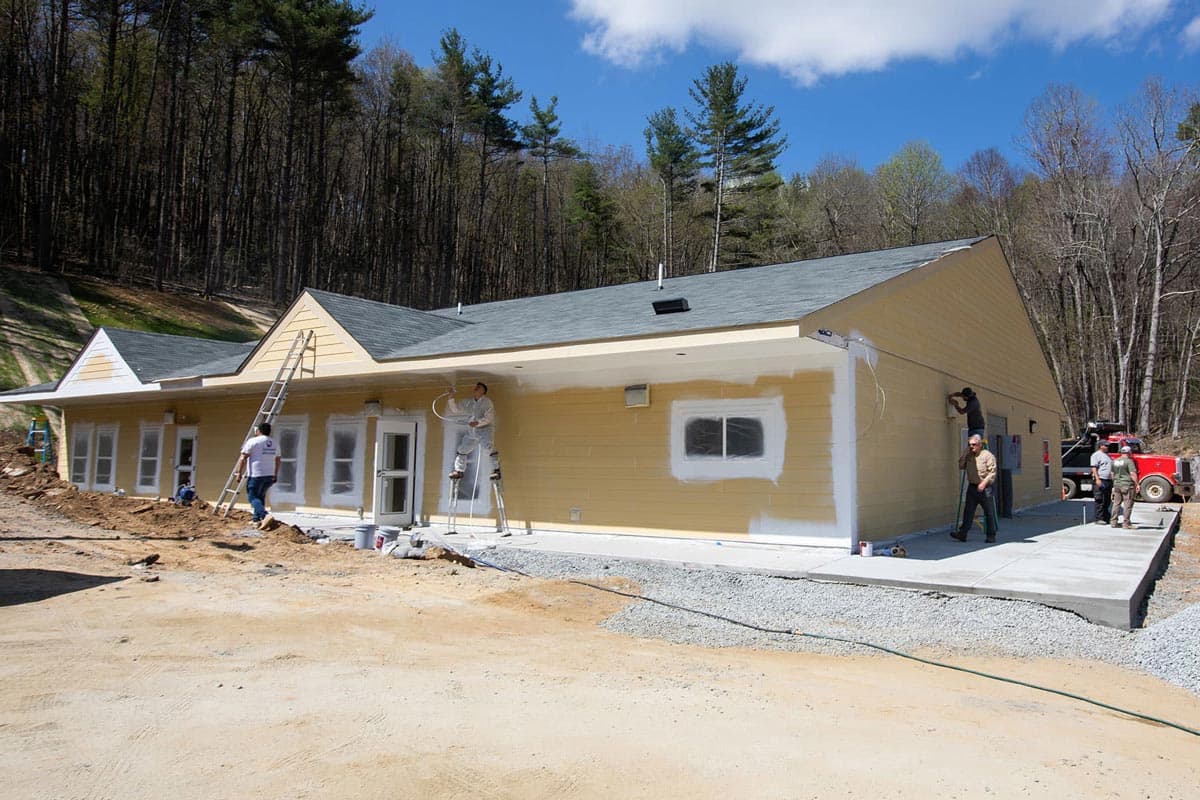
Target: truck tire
x=1070, y=489
x=1156, y=489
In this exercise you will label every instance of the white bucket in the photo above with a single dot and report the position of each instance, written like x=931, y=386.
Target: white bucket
x=386, y=535
x=364, y=537
x=866, y=549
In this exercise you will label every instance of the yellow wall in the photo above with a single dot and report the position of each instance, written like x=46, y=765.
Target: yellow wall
x=575, y=448
x=330, y=343
x=99, y=367
x=581, y=448
x=909, y=443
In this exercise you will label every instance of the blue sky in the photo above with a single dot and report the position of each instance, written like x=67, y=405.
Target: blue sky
x=858, y=78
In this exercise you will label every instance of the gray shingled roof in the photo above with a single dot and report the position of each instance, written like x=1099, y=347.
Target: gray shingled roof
x=753, y=296
x=383, y=329
x=157, y=356
x=41, y=387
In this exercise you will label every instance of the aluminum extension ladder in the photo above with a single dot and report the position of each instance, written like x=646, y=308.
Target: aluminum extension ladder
x=272, y=404
x=497, y=492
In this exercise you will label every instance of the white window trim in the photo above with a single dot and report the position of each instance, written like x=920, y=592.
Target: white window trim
x=86, y=430
x=451, y=430
x=115, y=430
x=768, y=467
x=350, y=499
x=144, y=488
x=300, y=423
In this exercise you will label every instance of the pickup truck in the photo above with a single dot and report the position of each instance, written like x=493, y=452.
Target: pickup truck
x=1161, y=477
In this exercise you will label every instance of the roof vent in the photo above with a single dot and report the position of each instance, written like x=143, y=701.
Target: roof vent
x=673, y=306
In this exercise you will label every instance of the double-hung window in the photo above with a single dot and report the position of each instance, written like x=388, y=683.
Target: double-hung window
x=291, y=437
x=344, y=462
x=94, y=457
x=149, y=459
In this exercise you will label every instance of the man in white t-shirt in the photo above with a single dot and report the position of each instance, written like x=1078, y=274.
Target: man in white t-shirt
x=259, y=462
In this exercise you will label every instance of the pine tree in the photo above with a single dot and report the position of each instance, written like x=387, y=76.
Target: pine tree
x=544, y=143
x=673, y=156
x=739, y=141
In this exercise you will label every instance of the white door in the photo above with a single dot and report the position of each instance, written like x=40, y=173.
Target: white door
x=395, y=472
x=185, y=456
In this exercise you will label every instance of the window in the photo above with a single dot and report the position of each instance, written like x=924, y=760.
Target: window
x=104, y=475
x=81, y=455
x=149, y=457
x=719, y=439
x=723, y=437
x=344, y=462
x=291, y=436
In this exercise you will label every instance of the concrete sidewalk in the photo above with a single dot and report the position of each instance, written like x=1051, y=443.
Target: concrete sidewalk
x=1048, y=555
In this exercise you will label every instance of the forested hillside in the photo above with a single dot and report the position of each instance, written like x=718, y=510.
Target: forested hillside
x=250, y=148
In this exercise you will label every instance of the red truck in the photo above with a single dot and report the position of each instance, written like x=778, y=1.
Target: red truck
x=1162, y=477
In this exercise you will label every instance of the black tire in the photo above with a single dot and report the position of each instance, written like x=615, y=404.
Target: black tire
x=1070, y=489
x=1157, y=489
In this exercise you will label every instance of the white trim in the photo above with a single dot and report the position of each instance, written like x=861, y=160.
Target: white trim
x=111, y=485
x=769, y=466
x=411, y=426
x=299, y=423
x=468, y=508
x=354, y=497
x=185, y=432
x=123, y=378
x=148, y=488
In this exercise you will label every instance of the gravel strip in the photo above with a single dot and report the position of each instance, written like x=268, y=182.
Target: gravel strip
x=899, y=619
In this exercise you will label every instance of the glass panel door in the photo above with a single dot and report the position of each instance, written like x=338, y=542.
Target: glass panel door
x=395, y=451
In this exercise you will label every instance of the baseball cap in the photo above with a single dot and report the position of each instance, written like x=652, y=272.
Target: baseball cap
x=1126, y=449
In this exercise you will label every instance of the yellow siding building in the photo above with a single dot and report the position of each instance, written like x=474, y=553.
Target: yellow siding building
x=796, y=403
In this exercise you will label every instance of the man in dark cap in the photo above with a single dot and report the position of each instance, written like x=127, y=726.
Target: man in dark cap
x=972, y=408
x=1102, y=485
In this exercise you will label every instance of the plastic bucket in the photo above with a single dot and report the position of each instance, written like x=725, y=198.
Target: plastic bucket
x=364, y=537
x=386, y=535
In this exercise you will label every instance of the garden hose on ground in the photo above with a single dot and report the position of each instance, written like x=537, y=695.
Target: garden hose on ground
x=871, y=645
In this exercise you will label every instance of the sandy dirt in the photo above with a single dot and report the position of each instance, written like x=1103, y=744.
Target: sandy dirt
x=237, y=666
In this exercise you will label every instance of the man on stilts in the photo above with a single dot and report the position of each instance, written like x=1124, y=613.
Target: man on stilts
x=481, y=422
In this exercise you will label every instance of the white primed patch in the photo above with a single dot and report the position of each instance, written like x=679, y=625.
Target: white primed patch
x=769, y=466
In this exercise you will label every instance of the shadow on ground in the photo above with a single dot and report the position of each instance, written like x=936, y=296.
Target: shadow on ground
x=19, y=586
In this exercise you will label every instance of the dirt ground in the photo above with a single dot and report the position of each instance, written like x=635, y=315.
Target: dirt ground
x=236, y=666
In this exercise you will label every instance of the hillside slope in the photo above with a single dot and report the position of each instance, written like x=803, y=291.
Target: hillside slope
x=45, y=320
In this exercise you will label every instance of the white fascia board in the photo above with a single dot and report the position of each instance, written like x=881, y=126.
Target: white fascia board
x=123, y=380
x=709, y=340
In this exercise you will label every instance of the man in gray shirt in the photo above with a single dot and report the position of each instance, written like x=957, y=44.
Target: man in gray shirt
x=1102, y=484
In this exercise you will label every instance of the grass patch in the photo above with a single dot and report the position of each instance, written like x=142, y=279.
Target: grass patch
x=158, y=312
x=11, y=376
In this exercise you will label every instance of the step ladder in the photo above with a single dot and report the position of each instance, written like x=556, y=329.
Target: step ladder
x=40, y=440
x=497, y=492
x=272, y=404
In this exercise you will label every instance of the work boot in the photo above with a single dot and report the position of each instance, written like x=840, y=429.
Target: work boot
x=990, y=539
x=1128, y=526
x=958, y=536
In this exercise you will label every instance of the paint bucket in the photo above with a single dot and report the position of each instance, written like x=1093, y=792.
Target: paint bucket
x=364, y=537
x=386, y=535
x=866, y=549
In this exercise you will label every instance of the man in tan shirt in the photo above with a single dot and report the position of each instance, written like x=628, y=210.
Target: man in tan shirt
x=980, y=466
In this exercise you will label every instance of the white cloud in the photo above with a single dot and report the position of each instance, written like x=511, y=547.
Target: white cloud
x=1191, y=35
x=808, y=39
